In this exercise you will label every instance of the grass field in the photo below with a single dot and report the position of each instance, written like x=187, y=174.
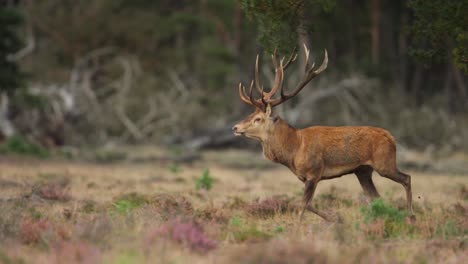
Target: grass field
x=228, y=207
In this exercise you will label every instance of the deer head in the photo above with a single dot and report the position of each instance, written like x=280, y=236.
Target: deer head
x=261, y=122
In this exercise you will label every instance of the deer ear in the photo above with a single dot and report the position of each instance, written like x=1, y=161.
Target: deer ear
x=268, y=110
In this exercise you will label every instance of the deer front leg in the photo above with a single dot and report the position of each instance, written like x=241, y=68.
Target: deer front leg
x=309, y=190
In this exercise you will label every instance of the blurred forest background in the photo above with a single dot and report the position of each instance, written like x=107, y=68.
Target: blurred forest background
x=93, y=72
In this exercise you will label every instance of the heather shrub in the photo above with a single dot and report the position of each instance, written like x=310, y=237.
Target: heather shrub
x=54, y=191
x=212, y=214
x=170, y=206
x=93, y=228
x=75, y=252
x=270, y=206
x=32, y=230
x=280, y=251
x=187, y=233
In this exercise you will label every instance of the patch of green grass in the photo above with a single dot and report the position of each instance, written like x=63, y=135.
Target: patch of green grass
x=128, y=202
x=5, y=259
x=108, y=156
x=128, y=257
x=393, y=220
x=380, y=209
x=174, y=168
x=448, y=229
x=205, y=181
x=279, y=229
x=236, y=221
x=21, y=146
x=251, y=234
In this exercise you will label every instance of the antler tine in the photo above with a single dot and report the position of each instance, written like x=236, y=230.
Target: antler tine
x=292, y=58
x=243, y=94
x=254, y=102
x=279, y=72
x=266, y=98
x=309, y=75
x=307, y=53
x=279, y=77
x=257, y=82
x=263, y=98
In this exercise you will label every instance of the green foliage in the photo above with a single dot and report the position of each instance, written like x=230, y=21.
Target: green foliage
x=109, y=156
x=250, y=233
x=280, y=22
x=5, y=259
x=440, y=30
x=380, y=209
x=21, y=146
x=128, y=202
x=10, y=74
x=393, y=220
x=279, y=229
x=277, y=21
x=205, y=181
x=449, y=229
x=174, y=168
x=236, y=221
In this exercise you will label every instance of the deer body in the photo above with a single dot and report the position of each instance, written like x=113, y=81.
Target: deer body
x=339, y=150
x=319, y=152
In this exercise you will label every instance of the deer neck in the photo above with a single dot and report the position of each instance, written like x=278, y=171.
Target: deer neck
x=281, y=143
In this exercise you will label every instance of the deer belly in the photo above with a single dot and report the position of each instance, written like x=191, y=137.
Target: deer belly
x=338, y=170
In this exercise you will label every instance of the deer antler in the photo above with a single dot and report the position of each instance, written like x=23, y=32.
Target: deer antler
x=267, y=97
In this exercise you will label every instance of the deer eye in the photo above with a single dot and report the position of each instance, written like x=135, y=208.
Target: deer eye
x=257, y=119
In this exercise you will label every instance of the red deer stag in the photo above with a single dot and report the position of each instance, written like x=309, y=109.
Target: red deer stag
x=319, y=152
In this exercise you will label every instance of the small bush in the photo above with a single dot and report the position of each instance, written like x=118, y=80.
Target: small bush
x=169, y=206
x=75, y=252
x=279, y=229
x=379, y=209
x=383, y=220
x=55, y=191
x=249, y=234
x=128, y=202
x=187, y=233
x=270, y=206
x=211, y=213
x=89, y=206
x=236, y=221
x=21, y=146
x=174, y=168
x=32, y=230
x=448, y=229
x=205, y=181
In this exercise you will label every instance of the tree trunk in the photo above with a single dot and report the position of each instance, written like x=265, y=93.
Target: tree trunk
x=402, y=51
x=375, y=31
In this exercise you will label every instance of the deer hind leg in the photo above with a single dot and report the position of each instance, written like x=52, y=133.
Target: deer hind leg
x=405, y=180
x=364, y=175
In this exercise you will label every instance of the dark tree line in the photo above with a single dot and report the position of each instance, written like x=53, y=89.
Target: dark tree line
x=193, y=53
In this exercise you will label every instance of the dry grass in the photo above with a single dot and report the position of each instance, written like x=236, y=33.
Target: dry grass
x=72, y=212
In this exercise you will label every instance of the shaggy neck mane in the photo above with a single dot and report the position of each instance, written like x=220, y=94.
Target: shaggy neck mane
x=280, y=144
